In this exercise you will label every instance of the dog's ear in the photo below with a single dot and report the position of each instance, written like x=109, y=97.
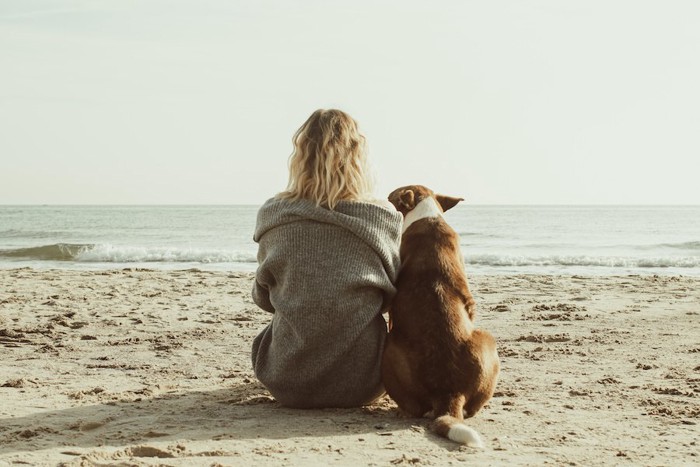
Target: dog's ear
x=447, y=202
x=403, y=199
x=407, y=201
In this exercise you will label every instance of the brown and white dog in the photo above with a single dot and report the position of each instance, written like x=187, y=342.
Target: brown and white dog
x=435, y=361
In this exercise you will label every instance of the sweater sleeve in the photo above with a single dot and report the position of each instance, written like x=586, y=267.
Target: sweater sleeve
x=261, y=297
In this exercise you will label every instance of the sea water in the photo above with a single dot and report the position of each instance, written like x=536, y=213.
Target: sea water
x=600, y=240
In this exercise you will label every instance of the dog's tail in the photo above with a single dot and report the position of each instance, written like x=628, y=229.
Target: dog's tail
x=456, y=430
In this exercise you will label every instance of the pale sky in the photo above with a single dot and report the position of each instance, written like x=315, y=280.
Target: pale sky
x=501, y=102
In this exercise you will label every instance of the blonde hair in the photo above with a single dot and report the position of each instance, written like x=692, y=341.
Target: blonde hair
x=329, y=162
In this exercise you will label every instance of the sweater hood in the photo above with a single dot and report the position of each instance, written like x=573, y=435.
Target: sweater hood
x=377, y=226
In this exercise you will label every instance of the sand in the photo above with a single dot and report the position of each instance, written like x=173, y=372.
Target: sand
x=139, y=367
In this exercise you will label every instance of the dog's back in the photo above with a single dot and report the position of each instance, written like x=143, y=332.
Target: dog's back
x=434, y=302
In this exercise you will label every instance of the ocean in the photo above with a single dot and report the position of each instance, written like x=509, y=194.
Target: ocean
x=598, y=240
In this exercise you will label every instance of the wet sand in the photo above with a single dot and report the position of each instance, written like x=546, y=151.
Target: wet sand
x=139, y=367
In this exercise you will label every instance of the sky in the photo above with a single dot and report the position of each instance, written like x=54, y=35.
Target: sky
x=503, y=102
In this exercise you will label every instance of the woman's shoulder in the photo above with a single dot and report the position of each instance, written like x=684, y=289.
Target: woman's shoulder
x=367, y=214
x=371, y=207
x=382, y=203
x=368, y=205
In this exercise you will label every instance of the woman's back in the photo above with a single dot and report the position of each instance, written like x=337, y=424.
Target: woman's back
x=326, y=275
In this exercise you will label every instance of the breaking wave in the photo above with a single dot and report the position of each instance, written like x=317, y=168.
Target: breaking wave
x=106, y=253
x=682, y=245
x=596, y=261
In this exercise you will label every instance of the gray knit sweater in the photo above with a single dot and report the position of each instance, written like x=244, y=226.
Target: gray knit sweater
x=326, y=276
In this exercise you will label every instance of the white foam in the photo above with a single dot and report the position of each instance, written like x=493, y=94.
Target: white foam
x=108, y=253
x=583, y=260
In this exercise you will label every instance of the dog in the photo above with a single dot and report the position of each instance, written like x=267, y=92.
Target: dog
x=435, y=362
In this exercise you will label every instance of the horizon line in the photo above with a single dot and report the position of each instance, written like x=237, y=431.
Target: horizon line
x=260, y=204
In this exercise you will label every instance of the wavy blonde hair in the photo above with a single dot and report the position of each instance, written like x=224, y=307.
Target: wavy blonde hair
x=329, y=162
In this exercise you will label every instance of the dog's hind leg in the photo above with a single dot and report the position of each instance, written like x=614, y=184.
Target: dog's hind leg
x=399, y=384
x=484, y=345
x=476, y=402
x=410, y=403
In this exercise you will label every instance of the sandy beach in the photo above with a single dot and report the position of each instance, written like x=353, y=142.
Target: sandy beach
x=141, y=367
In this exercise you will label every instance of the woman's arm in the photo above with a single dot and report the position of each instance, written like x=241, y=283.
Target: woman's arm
x=261, y=296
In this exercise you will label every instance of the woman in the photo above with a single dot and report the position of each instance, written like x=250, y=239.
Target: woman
x=328, y=258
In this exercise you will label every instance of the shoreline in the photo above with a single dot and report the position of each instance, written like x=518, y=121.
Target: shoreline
x=152, y=366
x=250, y=268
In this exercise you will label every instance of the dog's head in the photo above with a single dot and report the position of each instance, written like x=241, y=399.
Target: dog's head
x=406, y=198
